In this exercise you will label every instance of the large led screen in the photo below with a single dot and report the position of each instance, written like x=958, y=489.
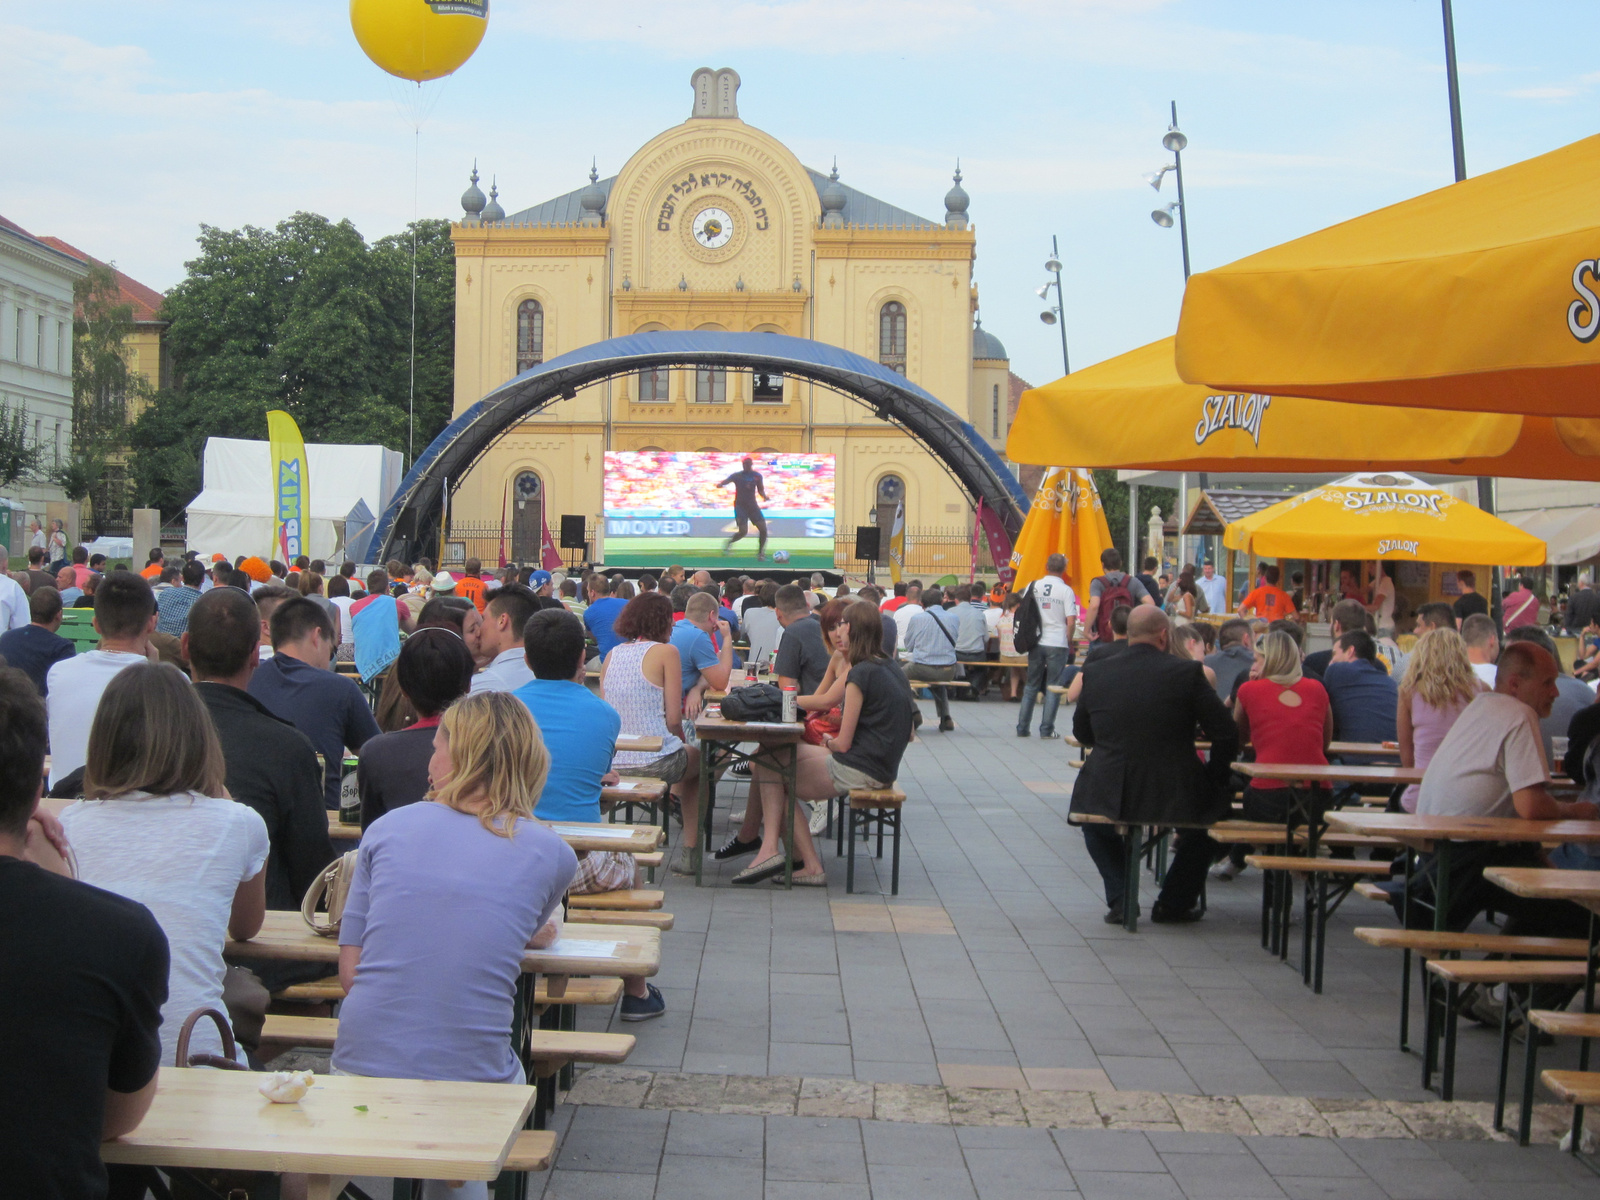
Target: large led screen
x=705, y=509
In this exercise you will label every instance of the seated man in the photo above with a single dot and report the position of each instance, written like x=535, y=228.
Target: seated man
x=500, y=639
x=931, y=638
x=1347, y=615
x=1364, y=696
x=1234, y=656
x=581, y=731
x=37, y=647
x=1139, y=712
x=1492, y=764
x=86, y=976
x=1101, y=651
x=1483, y=645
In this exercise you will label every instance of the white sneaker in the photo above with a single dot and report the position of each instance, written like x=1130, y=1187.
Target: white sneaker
x=1226, y=870
x=819, y=816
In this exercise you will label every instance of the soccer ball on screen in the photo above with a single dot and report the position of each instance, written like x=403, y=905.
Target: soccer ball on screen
x=780, y=556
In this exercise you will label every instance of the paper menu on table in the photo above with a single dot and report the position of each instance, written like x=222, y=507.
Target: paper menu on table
x=571, y=948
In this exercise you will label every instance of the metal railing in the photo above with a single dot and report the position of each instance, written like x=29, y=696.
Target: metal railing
x=482, y=541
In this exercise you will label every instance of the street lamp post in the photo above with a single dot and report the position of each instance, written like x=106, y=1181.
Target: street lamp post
x=1175, y=141
x=1056, y=314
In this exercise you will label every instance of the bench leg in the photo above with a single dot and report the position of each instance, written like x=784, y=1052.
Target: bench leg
x=1530, y=1074
x=838, y=829
x=1430, y=1025
x=850, y=862
x=1405, y=998
x=1321, y=939
x=1310, y=889
x=1130, y=883
x=1447, y=1072
x=877, y=814
x=894, y=869
x=1266, y=910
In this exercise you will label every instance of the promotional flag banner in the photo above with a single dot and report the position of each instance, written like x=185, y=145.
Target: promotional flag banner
x=1066, y=517
x=291, y=485
x=549, y=556
x=897, y=545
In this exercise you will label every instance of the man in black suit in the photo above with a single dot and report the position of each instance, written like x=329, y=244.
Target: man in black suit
x=1140, y=712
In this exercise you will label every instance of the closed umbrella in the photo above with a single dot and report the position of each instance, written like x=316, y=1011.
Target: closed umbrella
x=1066, y=517
x=1480, y=296
x=1382, y=515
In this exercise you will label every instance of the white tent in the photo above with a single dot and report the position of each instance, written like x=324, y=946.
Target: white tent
x=233, y=514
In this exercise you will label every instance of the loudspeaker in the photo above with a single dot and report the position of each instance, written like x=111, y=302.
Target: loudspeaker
x=572, y=532
x=867, y=543
x=405, y=525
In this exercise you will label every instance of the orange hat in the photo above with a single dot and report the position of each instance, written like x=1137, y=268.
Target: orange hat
x=256, y=569
x=216, y=558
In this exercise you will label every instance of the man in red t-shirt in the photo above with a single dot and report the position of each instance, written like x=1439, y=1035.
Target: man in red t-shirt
x=469, y=585
x=1268, y=600
x=152, y=569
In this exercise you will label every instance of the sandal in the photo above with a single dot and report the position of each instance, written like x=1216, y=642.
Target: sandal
x=764, y=869
x=820, y=879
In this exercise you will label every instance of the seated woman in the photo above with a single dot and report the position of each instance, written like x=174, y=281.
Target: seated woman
x=1438, y=684
x=642, y=679
x=434, y=670
x=156, y=826
x=1287, y=718
x=393, y=711
x=446, y=897
x=1187, y=642
x=873, y=734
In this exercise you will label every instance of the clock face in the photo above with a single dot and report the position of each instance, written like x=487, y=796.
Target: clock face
x=712, y=228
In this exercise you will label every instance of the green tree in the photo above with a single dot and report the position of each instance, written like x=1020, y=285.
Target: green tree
x=1114, y=499
x=102, y=385
x=21, y=458
x=308, y=318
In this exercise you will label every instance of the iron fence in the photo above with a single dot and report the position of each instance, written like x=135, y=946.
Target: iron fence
x=483, y=541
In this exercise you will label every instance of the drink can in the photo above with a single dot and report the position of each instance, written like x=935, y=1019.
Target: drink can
x=790, y=694
x=349, y=794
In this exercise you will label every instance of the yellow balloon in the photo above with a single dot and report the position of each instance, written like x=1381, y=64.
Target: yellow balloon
x=419, y=39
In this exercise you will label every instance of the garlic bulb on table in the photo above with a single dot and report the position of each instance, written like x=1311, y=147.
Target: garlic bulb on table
x=287, y=1087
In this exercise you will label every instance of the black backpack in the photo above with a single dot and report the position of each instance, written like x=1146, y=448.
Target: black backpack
x=1028, y=624
x=755, y=702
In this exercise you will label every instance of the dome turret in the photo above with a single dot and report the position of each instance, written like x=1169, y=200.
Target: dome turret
x=986, y=345
x=956, y=202
x=593, y=200
x=472, y=200
x=492, y=212
x=833, y=201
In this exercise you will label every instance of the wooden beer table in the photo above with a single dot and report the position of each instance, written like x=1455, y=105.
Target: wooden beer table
x=719, y=747
x=346, y=1125
x=580, y=835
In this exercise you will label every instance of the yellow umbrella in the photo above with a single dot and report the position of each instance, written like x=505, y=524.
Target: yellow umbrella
x=1480, y=296
x=1382, y=515
x=1134, y=411
x=1066, y=518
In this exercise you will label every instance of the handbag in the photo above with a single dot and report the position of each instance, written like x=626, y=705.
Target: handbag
x=331, y=888
x=197, y=1182
x=820, y=725
x=755, y=702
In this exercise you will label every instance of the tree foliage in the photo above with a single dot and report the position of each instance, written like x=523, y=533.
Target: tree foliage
x=21, y=458
x=1114, y=499
x=309, y=318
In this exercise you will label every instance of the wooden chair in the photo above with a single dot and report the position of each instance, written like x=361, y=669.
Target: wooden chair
x=861, y=808
x=1328, y=881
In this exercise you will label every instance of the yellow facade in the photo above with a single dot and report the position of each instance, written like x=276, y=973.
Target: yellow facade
x=715, y=225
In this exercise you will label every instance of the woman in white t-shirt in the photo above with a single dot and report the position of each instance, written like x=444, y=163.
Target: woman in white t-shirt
x=157, y=828
x=339, y=597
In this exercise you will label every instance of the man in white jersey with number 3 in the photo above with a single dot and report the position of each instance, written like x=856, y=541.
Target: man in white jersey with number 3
x=1058, y=617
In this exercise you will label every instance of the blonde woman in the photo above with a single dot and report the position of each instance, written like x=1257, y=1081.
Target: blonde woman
x=1287, y=718
x=447, y=895
x=157, y=827
x=1438, y=684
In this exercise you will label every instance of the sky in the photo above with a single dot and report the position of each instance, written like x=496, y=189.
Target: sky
x=126, y=125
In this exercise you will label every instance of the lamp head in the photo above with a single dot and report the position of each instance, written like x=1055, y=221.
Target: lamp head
x=1174, y=139
x=1052, y=263
x=1048, y=316
x=1163, y=216
x=1043, y=291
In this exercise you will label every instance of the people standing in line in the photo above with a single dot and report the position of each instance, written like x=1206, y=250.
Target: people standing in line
x=37, y=647
x=452, y=891
x=125, y=618
x=1470, y=602
x=1139, y=712
x=1438, y=684
x=86, y=974
x=1286, y=717
x=297, y=685
x=1234, y=656
x=874, y=730
x=1058, y=619
x=157, y=827
x=931, y=638
x=1483, y=646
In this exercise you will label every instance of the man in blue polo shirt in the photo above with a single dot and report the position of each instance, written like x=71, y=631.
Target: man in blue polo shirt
x=580, y=732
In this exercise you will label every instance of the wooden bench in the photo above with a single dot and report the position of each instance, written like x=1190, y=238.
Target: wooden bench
x=1583, y=1025
x=1431, y=943
x=621, y=900
x=1328, y=881
x=603, y=991
x=601, y=916
x=1456, y=974
x=922, y=685
x=532, y=1151
x=862, y=808
x=651, y=795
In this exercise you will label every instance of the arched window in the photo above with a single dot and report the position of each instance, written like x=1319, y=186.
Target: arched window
x=530, y=335
x=892, y=336
x=527, y=519
x=889, y=496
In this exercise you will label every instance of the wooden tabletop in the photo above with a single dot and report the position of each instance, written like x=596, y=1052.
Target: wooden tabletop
x=619, y=950
x=1329, y=773
x=1333, y=748
x=715, y=729
x=638, y=741
x=580, y=835
x=345, y=1125
x=1581, y=887
x=1416, y=830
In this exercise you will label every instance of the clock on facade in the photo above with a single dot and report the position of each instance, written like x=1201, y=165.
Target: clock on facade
x=712, y=228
